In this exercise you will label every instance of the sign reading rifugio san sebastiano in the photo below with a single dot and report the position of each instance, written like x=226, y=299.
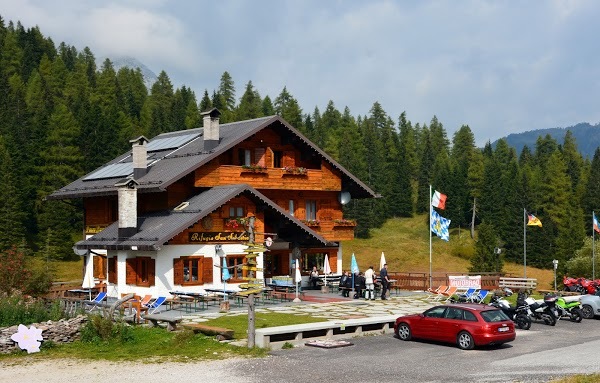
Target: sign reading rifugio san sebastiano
x=219, y=237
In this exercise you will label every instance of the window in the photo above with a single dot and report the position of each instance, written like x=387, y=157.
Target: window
x=236, y=273
x=277, y=156
x=309, y=260
x=244, y=157
x=140, y=271
x=494, y=316
x=436, y=312
x=454, y=313
x=192, y=270
x=311, y=209
x=291, y=207
x=470, y=316
x=236, y=212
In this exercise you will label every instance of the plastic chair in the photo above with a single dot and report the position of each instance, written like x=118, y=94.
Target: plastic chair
x=480, y=296
x=154, y=307
x=95, y=303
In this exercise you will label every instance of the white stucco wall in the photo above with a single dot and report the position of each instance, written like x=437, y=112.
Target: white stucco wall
x=164, y=269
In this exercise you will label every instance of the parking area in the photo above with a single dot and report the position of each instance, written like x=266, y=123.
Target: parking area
x=537, y=355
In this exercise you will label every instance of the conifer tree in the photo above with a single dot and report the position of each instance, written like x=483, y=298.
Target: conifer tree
x=61, y=165
x=205, y=103
x=287, y=107
x=485, y=258
x=12, y=229
x=250, y=104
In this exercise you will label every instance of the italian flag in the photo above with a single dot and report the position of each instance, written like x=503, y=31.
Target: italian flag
x=439, y=200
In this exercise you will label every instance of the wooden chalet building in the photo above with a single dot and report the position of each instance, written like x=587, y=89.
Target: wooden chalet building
x=159, y=217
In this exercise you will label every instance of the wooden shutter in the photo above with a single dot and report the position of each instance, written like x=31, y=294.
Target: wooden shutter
x=151, y=271
x=289, y=158
x=178, y=271
x=207, y=270
x=333, y=262
x=130, y=273
x=259, y=156
x=112, y=269
x=98, y=267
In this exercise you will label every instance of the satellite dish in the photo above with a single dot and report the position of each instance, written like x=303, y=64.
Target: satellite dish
x=344, y=197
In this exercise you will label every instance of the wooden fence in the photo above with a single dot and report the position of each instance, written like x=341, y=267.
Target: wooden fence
x=420, y=281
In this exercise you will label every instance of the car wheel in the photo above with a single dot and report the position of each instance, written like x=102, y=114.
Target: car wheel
x=403, y=331
x=523, y=322
x=465, y=341
x=587, y=312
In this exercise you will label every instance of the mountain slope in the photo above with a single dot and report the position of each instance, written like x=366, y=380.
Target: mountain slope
x=587, y=137
x=131, y=62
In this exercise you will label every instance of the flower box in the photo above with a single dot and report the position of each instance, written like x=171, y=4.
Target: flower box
x=344, y=222
x=253, y=168
x=294, y=171
x=311, y=222
x=235, y=223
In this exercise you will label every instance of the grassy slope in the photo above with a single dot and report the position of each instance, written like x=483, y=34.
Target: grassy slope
x=405, y=243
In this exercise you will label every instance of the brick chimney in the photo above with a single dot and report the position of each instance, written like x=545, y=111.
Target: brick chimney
x=211, y=128
x=140, y=156
x=127, y=201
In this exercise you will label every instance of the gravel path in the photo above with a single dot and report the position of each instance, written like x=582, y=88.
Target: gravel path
x=75, y=371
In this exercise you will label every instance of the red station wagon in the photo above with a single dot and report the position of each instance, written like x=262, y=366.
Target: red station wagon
x=468, y=325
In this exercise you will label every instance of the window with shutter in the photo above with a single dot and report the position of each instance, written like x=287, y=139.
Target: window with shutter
x=178, y=271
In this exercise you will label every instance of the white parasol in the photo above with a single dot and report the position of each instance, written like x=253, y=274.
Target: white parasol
x=88, y=278
x=382, y=261
x=297, y=279
x=326, y=268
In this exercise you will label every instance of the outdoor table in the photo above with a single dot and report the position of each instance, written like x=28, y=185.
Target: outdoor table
x=82, y=293
x=188, y=297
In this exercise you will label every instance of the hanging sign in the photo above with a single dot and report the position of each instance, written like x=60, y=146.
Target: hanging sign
x=218, y=237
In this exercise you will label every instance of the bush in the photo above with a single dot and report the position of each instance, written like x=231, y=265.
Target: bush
x=100, y=329
x=13, y=271
x=18, y=309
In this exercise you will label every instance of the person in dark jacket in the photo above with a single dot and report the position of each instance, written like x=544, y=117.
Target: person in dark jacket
x=345, y=283
x=359, y=285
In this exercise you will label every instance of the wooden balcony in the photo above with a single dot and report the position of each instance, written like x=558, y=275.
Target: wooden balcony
x=269, y=178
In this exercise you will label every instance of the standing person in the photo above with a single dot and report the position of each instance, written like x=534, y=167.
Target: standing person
x=385, y=282
x=314, y=277
x=344, y=283
x=370, y=284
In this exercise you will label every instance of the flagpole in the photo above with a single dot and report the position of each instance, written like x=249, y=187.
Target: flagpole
x=593, y=248
x=524, y=243
x=430, y=267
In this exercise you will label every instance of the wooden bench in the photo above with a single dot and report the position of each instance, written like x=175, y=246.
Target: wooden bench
x=220, y=332
x=156, y=318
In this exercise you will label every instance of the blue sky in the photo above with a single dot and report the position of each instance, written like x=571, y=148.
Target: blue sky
x=500, y=67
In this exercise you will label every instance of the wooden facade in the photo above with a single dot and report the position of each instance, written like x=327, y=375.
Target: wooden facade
x=293, y=179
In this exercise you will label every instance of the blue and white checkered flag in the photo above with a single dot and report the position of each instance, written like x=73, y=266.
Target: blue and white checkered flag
x=440, y=225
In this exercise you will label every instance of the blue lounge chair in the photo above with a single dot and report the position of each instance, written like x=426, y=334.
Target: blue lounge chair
x=96, y=302
x=466, y=296
x=154, y=306
x=480, y=296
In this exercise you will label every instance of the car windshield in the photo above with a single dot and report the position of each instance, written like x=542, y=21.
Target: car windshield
x=494, y=316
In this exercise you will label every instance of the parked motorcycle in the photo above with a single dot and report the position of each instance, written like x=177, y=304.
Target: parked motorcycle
x=519, y=313
x=569, y=307
x=580, y=285
x=541, y=310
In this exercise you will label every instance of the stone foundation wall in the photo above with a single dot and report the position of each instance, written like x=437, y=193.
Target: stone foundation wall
x=62, y=331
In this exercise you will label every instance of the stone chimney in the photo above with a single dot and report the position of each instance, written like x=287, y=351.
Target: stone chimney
x=127, y=201
x=211, y=128
x=140, y=156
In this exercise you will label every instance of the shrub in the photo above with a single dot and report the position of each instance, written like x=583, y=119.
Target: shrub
x=13, y=271
x=17, y=309
x=99, y=329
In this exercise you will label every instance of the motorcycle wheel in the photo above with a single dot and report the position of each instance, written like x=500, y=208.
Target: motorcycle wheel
x=523, y=322
x=576, y=315
x=549, y=319
x=587, y=312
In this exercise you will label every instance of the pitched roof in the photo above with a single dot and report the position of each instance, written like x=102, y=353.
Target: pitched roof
x=156, y=229
x=174, y=155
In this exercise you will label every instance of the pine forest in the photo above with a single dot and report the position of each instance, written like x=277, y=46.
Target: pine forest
x=62, y=116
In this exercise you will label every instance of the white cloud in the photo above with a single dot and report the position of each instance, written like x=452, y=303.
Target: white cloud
x=498, y=67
